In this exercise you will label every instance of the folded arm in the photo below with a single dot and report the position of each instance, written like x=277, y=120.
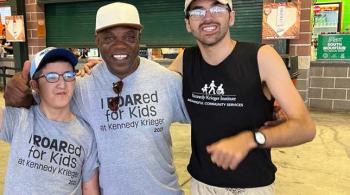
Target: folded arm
x=299, y=128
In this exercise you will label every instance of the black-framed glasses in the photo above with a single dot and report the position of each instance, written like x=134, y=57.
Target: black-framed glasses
x=215, y=11
x=113, y=103
x=53, y=77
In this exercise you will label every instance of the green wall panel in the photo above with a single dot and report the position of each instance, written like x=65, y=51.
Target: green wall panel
x=248, y=25
x=72, y=24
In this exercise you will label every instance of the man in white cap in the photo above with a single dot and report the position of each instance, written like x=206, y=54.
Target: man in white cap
x=130, y=102
x=52, y=150
x=230, y=149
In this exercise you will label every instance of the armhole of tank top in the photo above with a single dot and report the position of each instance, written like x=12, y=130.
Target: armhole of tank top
x=185, y=57
x=261, y=82
x=188, y=58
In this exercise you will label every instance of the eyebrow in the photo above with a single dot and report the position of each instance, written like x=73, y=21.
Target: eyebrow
x=131, y=31
x=105, y=32
x=201, y=7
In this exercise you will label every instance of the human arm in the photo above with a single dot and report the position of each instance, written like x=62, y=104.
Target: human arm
x=17, y=92
x=90, y=171
x=91, y=187
x=179, y=109
x=298, y=129
x=279, y=116
x=92, y=62
x=177, y=63
x=13, y=120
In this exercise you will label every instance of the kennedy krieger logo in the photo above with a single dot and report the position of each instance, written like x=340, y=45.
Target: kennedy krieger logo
x=214, y=95
x=219, y=89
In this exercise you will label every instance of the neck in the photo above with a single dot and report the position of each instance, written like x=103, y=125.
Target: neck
x=57, y=114
x=132, y=69
x=215, y=54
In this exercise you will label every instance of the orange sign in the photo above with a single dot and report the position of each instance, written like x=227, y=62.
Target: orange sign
x=281, y=20
x=41, y=28
x=2, y=33
x=15, y=28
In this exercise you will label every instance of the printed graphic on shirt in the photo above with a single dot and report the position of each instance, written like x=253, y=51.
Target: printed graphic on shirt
x=214, y=95
x=134, y=111
x=57, y=157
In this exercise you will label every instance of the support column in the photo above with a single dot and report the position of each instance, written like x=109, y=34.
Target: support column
x=20, y=50
x=302, y=48
x=36, y=34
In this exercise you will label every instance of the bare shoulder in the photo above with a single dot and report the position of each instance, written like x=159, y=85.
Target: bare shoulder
x=270, y=63
x=266, y=53
x=177, y=64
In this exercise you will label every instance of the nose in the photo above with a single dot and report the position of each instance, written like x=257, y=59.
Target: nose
x=61, y=82
x=118, y=43
x=208, y=15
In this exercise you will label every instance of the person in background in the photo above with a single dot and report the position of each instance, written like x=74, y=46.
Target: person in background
x=130, y=102
x=52, y=150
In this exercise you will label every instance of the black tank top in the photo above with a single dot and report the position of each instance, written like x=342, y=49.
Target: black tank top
x=222, y=101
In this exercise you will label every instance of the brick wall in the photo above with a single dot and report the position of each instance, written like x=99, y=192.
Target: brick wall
x=302, y=46
x=302, y=49
x=35, y=16
x=330, y=86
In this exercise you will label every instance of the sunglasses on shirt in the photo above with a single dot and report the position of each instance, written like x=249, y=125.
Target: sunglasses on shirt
x=113, y=103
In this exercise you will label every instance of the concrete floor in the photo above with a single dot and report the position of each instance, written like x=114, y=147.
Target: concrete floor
x=321, y=167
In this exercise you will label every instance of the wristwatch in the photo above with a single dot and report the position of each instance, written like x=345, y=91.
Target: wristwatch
x=259, y=137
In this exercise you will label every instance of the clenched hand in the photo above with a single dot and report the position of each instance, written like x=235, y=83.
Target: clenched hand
x=230, y=151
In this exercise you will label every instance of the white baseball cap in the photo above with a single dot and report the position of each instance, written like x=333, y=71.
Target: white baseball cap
x=116, y=14
x=224, y=2
x=44, y=55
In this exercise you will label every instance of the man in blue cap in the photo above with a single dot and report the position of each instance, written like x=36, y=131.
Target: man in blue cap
x=52, y=150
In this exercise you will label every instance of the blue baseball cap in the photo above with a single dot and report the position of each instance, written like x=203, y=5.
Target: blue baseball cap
x=44, y=55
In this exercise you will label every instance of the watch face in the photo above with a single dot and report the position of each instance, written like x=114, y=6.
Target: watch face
x=260, y=138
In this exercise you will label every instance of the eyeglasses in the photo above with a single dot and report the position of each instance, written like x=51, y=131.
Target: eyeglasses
x=215, y=11
x=113, y=103
x=53, y=77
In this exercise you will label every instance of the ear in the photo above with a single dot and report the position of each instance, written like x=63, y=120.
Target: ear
x=34, y=85
x=188, y=27
x=232, y=18
x=97, y=40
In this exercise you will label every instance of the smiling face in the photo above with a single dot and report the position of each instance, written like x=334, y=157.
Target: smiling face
x=55, y=95
x=119, y=47
x=212, y=28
